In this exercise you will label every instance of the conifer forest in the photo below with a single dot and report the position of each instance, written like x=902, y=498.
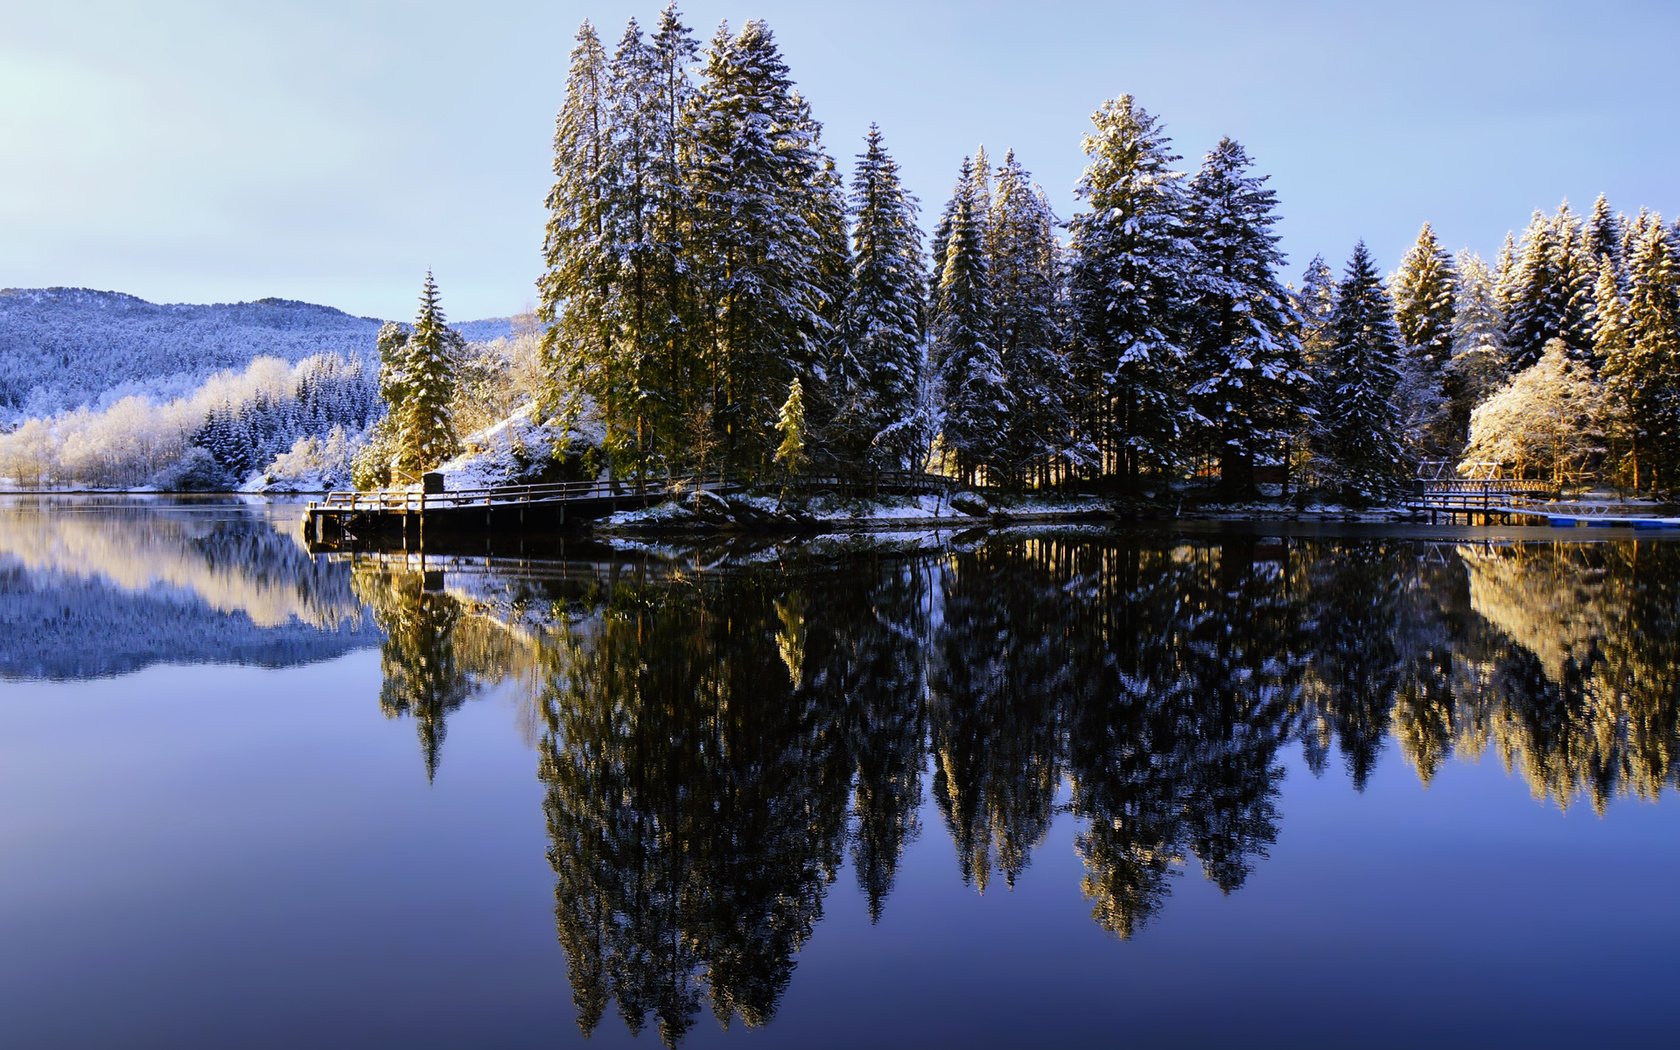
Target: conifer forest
x=706, y=251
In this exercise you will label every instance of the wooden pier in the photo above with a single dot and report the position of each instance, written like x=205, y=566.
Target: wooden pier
x=407, y=519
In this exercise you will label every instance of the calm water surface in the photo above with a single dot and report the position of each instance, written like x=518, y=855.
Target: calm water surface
x=1150, y=788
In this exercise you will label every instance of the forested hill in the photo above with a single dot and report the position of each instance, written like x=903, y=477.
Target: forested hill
x=65, y=347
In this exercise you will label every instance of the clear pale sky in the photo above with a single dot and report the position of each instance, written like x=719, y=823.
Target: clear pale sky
x=332, y=151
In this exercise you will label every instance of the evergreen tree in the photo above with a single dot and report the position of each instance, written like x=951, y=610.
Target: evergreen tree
x=790, y=425
x=1479, y=363
x=873, y=378
x=1248, y=376
x=1022, y=259
x=645, y=202
x=1602, y=235
x=1130, y=266
x=823, y=207
x=939, y=244
x=1360, y=449
x=1505, y=275
x=1424, y=290
x=759, y=258
x=976, y=398
x=1314, y=303
x=1551, y=290
x=573, y=294
x=421, y=386
x=1641, y=377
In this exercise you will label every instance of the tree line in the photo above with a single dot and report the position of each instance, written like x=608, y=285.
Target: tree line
x=704, y=255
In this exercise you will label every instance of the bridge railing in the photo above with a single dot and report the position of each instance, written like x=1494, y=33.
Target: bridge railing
x=411, y=500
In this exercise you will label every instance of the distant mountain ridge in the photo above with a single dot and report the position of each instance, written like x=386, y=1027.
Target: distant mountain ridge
x=61, y=348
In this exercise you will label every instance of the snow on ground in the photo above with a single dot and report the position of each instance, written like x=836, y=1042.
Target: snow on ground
x=513, y=451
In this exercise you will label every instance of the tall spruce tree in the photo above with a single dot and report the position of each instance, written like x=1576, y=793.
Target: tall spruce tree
x=759, y=259
x=645, y=190
x=1130, y=266
x=1022, y=258
x=1362, y=457
x=1314, y=302
x=823, y=206
x=1424, y=290
x=1479, y=361
x=418, y=381
x=1247, y=373
x=976, y=398
x=573, y=294
x=1551, y=289
x=873, y=375
x=1601, y=235
x=1641, y=377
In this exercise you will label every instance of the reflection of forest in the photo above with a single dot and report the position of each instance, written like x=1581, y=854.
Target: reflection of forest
x=91, y=588
x=228, y=556
x=715, y=745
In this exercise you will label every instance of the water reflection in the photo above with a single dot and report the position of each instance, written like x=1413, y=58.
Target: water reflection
x=714, y=743
x=96, y=588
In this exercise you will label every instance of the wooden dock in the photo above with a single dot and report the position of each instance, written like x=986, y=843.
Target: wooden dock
x=406, y=519
x=402, y=519
x=1452, y=497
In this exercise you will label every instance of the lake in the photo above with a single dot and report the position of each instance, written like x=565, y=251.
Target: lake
x=1210, y=786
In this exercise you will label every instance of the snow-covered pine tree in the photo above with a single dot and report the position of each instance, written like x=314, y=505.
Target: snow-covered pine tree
x=1362, y=457
x=1641, y=376
x=758, y=257
x=981, y=175
x=671, y=365
x=1551, y=290
x=823, y=206
x=1424, y=290
x=1505, y=277
x=1314, y=302
x=1023, y=260
x=574, y=291
x=873, y=375
x=1130, y=265
x=637, y=396
x=1601, y=235
x=1247, y=374
x=940, y=242
x=975, y=396
x=1479, y=363
x=790, y=426
x=422, y=426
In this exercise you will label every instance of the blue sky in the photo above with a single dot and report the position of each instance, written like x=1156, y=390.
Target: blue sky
x=201, y=152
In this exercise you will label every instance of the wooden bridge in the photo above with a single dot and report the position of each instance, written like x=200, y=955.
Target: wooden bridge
x=1440, y=489
x=404, y=519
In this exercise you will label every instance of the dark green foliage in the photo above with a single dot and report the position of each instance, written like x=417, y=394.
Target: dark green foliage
x=1248, y=380
x=1130, y=270
x=1361, y=457
x=976, y=396
x=872, y=377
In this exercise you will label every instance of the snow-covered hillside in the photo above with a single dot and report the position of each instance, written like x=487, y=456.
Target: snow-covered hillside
x=65, y=347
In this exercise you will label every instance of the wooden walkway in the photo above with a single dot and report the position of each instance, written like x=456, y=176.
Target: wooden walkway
x=403, y=519
x=1467, y=497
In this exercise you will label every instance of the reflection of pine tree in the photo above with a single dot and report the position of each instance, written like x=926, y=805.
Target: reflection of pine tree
x=872, y=663
x=422, y=678
x=696, y=798
x=997, y=683
x=1182, y=709
x=1357, y=672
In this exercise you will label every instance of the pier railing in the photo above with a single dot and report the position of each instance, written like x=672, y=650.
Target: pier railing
x=416, y=501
